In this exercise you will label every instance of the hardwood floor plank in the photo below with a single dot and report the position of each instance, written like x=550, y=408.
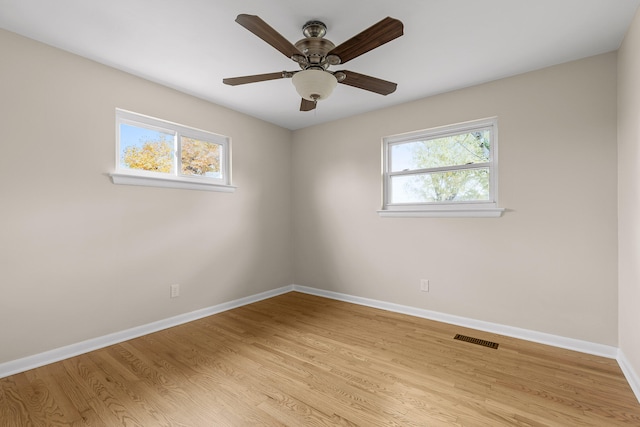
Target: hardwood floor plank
x=54, y=403
x=108, y=402
x=299, y=359
x=13, y=409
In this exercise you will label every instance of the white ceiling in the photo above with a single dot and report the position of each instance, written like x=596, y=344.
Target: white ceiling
x=191, y=45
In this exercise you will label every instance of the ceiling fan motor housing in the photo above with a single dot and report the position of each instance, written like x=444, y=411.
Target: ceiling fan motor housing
x=315, y=48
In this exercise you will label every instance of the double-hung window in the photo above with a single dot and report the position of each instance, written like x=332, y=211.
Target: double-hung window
x=445, y=171
x=158, y=153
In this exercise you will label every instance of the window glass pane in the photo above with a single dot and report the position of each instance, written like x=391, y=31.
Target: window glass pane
x=146, y=149
x=451, y=186
x=201, y=158
x=462, y=149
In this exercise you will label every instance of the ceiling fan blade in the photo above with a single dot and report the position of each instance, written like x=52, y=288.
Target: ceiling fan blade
x=371, y=38
x=307, y=105
x=263, y=30
x=234, y=81
x=369, y=83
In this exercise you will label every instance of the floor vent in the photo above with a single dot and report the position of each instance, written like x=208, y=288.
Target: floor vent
x=476, y=341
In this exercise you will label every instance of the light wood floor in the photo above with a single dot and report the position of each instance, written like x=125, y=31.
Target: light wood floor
x=301, y=360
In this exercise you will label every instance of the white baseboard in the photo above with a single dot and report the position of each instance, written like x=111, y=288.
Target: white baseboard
x=630, y=374
x=51, y=356
x=510, y=331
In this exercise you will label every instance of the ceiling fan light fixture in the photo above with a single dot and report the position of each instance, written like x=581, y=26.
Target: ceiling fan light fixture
x=314, y=85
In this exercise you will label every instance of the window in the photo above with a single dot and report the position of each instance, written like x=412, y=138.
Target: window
x=446, y=171
x=158, y=153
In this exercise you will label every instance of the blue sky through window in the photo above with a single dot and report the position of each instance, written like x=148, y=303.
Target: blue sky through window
x=137, y=136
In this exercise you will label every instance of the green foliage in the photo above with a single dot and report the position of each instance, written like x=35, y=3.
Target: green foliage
x=455, y=185
x=472, y=184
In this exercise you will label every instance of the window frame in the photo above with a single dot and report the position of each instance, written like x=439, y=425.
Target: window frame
x=474, y=208
x=175, y=179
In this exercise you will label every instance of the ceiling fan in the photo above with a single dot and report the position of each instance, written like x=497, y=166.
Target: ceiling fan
x=315, y=54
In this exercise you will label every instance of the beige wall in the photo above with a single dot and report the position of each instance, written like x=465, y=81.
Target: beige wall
x=549, y=264
x=629, y=194
x=81, y=257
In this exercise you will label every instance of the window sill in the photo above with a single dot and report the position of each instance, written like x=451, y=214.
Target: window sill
x=169, y=182
x=466, y=212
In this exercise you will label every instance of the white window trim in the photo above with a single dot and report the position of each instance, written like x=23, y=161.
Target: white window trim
x=479, y=209
x=168, y=182
x=153, y=179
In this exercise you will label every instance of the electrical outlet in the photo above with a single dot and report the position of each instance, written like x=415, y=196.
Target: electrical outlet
x=424, y=285
x=175, y=290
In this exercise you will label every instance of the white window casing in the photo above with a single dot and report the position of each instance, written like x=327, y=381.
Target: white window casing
x=485, y=205
x=174, y=178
